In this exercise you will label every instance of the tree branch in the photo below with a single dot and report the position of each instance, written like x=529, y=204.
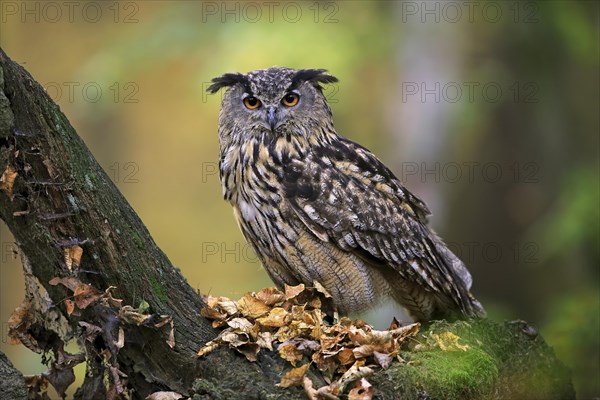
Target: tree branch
x=57, y=201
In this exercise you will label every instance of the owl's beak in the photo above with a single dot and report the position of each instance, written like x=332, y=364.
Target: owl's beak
x=272, y=117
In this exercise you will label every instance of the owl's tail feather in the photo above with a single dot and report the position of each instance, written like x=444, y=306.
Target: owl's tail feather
x=477, y=309
x=470, y=306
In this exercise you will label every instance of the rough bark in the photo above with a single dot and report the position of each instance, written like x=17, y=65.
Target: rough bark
x=12, y=384
x=61, y=198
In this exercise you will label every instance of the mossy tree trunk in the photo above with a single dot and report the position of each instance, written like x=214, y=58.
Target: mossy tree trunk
x=62, y=199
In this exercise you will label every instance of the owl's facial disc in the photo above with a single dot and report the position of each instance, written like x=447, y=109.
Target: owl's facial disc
x=271, y=113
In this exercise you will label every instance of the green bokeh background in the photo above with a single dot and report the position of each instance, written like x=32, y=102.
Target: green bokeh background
x=488, y=111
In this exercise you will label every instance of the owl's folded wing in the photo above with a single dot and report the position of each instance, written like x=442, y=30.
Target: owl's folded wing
x=345, y=195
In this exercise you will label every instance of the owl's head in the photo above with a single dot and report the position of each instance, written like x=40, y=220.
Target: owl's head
x=273, y=101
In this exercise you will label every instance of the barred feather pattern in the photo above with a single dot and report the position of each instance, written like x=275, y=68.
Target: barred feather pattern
x=315, y=206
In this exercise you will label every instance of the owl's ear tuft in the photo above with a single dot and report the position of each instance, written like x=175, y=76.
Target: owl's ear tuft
x=228, y=80
x=314, y=76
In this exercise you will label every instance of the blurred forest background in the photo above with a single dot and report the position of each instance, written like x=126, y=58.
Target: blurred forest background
x=486, y=110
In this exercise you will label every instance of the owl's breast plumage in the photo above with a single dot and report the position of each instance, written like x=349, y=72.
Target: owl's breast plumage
x=261, y=190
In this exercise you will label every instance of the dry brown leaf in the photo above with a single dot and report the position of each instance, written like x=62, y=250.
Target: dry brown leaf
x=212, y=313
x=48, y=164
x=321, y=289
x=346, y=356
x=293, y=377
x=111, y=393
x=36, y=383
x=219, y=323
x=317, y=330
x=220, y=305
x=60, y=379
x=383, y=359
x=67, y=258
x=91, y=331
x=241, y=324
x=330, y=392
x=323, y=361
x=129, y=315
x=7, y=180
x=85, y=294
x=65, y=359
x=163, y=320
x=364, y=351
x=406, y=331
x=270, y=296
x=309, y=318
x=171, y=339
x=117, y=382
x=304, y=344
x=73, y=256
x=249, y=350
x=358, y=336
x=329, y=342
x=314, y=303
x=357, y=371
x=234, y=338
x=18, y=327
x=293, y=291
x=296, y=328
x=164, y=396
x=362, y=390
x=121, y=340
x=110, y=299
x=227, y=305
x=290, y=353
x=70, y=306
x=297, y=312
x=309, y=389
x=265, y=340
x=276, y=318
x=207, y=348
x=69, y=282
x=252, y=307
x=212, y=301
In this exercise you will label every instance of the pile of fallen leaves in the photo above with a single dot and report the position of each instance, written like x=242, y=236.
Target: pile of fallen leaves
x=292, y=323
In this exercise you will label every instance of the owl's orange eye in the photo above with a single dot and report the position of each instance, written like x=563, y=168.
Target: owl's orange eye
x=251, y=102
x=290, y=99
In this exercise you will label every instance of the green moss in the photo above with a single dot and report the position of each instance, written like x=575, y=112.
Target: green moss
x=452, y=375
x=503, y=361
x=220, y=390
x=136, y=238
x=157, y=289
x=203, y=387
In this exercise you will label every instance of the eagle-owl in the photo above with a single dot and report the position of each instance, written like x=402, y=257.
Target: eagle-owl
x=315, y=206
